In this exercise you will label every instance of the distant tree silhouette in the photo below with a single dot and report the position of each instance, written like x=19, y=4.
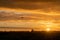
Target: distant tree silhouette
x=32, y=30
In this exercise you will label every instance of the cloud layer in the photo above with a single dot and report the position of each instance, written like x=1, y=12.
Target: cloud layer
x=45, y=5
x=26, y=16
x=36, y=13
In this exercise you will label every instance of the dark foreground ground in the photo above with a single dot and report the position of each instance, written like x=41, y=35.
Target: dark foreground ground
x=30, y=35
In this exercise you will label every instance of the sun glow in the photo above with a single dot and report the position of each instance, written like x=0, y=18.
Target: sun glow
x=48, y=29
x=48, y=26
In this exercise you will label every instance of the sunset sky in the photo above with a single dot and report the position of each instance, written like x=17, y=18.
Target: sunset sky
x=35, y=14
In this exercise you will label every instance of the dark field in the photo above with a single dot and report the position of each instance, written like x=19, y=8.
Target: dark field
x=30, y=35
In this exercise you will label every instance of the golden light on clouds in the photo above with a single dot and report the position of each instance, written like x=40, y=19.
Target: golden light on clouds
x=52, y=13
x=43, y=15
x=40, y=24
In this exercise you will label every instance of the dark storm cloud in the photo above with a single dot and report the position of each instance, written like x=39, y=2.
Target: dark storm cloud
x=31, y=4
